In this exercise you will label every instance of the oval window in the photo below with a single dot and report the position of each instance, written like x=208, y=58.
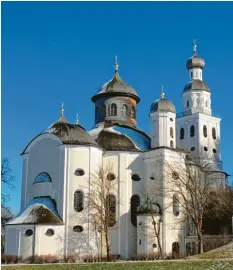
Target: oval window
x=192, y=131
x=205, y=148
x=175, y=175
x=79, y=172
x=49, y=232
x=214, y=150
x=29, y=232
x=181, y=133
x=111, y=176
x=205, y=131
x=136, y=177
x=78, y=228
x=192, y=149
x=214, y=133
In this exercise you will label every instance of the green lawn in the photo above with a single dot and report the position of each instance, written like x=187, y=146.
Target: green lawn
x=189, y=265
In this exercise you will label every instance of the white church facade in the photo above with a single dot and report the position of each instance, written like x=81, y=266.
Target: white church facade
x=58, y=165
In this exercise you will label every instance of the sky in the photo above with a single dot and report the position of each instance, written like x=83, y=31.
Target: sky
x=64, y=51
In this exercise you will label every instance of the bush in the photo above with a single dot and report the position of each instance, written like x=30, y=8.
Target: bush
x=42, y=259
x=10, y=259
x=98, y=258
x=69, y=259
x=145, y=257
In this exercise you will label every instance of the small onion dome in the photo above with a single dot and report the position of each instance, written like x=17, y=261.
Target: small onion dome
x=123, y=138
x=149, y=207
x=196, y=85
x=116, y=87
x=162, y=105
x=195, y=62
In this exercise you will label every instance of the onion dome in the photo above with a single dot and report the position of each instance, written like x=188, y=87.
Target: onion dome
x=123, y=138
x=195, y=61
x=116, y=87
x=196, y=85
x=149, y=207
x=68, y=133
x=162, y=105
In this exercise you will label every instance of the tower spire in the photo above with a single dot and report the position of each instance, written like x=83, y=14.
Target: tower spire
x=62, y=110
x=194, y=47
x=162, y=92
x=116, y=64
x=77, y=121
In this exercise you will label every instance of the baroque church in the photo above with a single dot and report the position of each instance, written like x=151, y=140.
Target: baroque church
x=58, y=165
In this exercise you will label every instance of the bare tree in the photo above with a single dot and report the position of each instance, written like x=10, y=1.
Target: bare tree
x=102, y=204
x=191, y=185
x=6, y=179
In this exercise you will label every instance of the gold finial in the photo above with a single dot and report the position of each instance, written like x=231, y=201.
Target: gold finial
x=62, y=109
x=76, y=122
x=116, y=64
x=162, y=92
x=194, y=46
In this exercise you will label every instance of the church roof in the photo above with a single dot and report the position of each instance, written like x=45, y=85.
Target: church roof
x=68, y=133
x=40, y=210
x=123, y=138
x=195, y=62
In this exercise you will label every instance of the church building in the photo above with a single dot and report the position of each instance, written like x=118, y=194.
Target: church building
x=59, y=164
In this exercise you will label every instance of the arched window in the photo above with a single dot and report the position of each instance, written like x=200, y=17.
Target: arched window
x=192, y=131
x=124, y=110
x=96, y=112
x=133, y=112
x=103, y=110
x=134, y=203
x=187, y=103
x=205, y=131
x=112, y=109
x=175, y=205
x=171, y=144
x=171, y=132
x=78, y=200
x=42, y=178
x=214, y=133
x=111, y=210
x=181, y=133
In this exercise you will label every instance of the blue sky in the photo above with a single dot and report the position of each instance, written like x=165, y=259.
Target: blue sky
x=64, y=51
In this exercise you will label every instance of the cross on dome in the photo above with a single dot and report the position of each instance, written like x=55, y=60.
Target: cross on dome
x=62, y=109
x=162, y=92
x=194, y=46
x=116, y=64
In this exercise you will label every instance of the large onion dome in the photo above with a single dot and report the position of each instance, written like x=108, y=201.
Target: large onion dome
x=116, y=86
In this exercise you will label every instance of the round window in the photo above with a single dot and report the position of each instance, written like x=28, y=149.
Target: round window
x=175, y=175
x=49, y=232
x=214, y=150
x=78, y=228
x=111, y=176
x=136, y=177
x=79, y=172
x=29, y=232
x=192, y=148
x=205, y=148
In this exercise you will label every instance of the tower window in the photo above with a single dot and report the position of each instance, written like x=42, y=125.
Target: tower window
x=136, y=177
x=181, y=133
x=111, y=176
x=214, y=151
x=191, y=74
x=171, y=144
x=192, y=131
x=42, y=178
x=104, y=110
x=205, y=131
x=112, y=109
x=171, y=132
x=133, y=112
x=205, y=148
x=96, y=112
x=134, y=203
x=111, y=210
x=50, y=232
x=192, y=149
x=29, y=232
x=187, y=103
x=78, y=201
x=124, y=110
x=171, y=119
x=78, y=228
x=175, y=205
x=79, y=172
x=214, y=133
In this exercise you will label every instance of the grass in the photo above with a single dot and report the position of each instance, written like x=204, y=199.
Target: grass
x=189, y=265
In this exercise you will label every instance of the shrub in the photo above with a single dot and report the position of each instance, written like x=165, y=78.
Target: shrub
x=10, y=258
x=69, y=259
x=98, y=258
x=42, y=259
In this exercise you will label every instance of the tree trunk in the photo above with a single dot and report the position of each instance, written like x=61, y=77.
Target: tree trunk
x=200, y=241
x=107, y=244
